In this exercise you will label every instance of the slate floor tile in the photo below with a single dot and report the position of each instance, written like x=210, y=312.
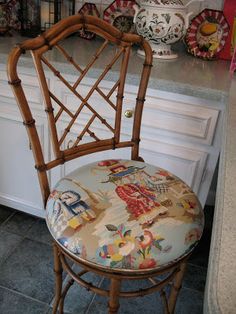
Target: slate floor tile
x=79, y=298
x=189, y=302
x=147, y=304
x=39, y=232
x=19, y=223
x=29, y=270
x=14, y=303
x=5, y=213
x=8, y=243
x=195, y=278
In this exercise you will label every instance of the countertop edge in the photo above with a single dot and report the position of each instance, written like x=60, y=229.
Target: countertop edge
x=155, y=82
x=221, y=278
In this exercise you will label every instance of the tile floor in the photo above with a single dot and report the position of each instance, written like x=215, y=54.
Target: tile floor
x=26, y=275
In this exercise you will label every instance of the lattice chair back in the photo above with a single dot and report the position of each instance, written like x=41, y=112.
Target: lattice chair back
x=85, y=107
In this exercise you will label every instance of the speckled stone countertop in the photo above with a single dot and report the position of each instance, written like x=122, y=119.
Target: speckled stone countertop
x=220, y=292
x=186, y=75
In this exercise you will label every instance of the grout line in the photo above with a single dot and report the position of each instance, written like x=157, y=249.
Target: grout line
x=9, y=253
x=7, y=219
x=192, y=264
x=25, y=236
x=94, y=296
x=17, y=245
x=38, y=241
x=23, y=295
x=25, y=233
x=193, y=290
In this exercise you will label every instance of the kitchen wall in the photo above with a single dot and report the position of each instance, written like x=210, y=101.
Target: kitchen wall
x=194, y=7
x=198, y=6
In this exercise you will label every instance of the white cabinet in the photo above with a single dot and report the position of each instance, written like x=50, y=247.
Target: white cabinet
x=179, y=133
x=182, y=134
x=19, y=186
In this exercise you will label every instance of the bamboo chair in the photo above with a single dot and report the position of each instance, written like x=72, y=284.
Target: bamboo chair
x=121, y=219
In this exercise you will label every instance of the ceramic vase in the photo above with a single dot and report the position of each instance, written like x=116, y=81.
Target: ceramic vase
x=162, y=23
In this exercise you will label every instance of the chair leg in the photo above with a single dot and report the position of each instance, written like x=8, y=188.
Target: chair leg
x=176, y=286
x=58, y=279
x=114, y=296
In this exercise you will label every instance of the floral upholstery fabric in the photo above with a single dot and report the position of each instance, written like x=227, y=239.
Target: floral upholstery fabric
x=124, y=215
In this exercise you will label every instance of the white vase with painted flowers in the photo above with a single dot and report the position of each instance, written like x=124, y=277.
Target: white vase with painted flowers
x=162, y=23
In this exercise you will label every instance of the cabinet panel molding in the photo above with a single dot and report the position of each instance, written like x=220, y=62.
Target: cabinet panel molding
x=186, y=163
x=187, y=121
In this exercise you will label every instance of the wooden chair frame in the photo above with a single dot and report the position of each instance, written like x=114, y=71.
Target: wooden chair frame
x=38, y=46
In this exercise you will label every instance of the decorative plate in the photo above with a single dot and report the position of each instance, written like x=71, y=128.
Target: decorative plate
x=4, y=18
x=88, y=9
x=207, y=34
x=165, y=2
x=14, y=9
x=120, y=14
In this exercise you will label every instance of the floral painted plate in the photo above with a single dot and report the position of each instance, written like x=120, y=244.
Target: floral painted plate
x=120, y=14
x=207, y=34
x=14, y=8
x=88, y=9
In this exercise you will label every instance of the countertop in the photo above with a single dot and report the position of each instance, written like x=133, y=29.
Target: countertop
x=209, y=80
x=220, y=292
x=186, y=75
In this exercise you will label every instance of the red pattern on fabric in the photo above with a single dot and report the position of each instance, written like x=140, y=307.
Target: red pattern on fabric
x=139, y=199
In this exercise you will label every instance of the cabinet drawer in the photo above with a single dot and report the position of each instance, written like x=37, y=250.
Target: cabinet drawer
x=180, y=120
x=97, y=102
x=31, y=89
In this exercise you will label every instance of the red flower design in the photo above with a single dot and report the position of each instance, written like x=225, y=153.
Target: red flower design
x=193, y=235
x=107, y=163
x=148, y=263
x=147, y=239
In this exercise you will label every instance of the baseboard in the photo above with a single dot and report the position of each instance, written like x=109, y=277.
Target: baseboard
x=18, y=204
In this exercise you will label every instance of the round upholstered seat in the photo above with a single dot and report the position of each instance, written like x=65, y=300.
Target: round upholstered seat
x=124, y=214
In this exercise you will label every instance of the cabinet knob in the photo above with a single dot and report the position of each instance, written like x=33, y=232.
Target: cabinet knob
x=129, y=113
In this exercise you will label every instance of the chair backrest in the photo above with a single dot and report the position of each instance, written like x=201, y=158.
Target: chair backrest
x=57, y=109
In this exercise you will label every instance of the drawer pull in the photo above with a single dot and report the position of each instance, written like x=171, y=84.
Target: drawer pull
x=129, y=113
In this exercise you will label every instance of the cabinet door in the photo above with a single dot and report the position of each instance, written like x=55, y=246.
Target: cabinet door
x=31, y=88
x=183, y=121
x=19, y=187
x=186, y=163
